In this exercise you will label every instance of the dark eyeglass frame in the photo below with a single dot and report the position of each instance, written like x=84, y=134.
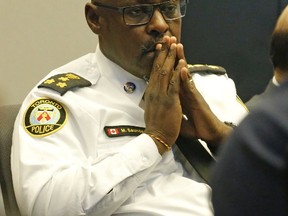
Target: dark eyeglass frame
x=122, y=9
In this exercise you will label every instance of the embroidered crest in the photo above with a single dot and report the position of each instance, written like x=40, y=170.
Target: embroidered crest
x=196, y=68
x=64, y=82
x=44, y=117
x=123, y=130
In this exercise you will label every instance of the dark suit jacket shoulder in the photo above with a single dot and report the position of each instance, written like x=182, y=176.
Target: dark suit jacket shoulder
x=256, y=99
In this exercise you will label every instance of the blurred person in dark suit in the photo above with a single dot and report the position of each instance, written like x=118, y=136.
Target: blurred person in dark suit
x=279, y=57
x=251, y=176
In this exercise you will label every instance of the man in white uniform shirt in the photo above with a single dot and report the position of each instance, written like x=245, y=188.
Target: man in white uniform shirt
x=83, y=144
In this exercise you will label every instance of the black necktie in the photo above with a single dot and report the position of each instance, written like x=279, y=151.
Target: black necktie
x=197, y=156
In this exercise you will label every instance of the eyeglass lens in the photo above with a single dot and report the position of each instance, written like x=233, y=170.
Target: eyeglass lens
x=141, y=14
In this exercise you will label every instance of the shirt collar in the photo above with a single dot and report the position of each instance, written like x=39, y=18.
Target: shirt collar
x=275, y=82
x=119, y=77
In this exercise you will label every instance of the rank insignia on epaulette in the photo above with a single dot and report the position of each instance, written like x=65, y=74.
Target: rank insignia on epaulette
x=44, y=116
x=64, y=82
x=198, y=68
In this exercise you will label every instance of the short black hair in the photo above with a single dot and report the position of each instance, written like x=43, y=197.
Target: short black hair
x=279, y=50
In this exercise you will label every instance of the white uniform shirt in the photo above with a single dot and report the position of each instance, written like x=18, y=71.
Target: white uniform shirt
x=79, y=170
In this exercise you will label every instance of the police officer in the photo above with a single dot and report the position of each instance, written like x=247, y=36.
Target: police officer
x=83, y=144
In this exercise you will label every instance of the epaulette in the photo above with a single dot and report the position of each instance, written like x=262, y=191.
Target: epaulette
x=199, y=68
x=64, y=82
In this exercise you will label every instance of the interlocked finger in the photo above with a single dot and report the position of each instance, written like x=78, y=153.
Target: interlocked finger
x=164, y=63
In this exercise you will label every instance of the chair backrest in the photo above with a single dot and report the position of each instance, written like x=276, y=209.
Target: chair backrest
x=7, y=117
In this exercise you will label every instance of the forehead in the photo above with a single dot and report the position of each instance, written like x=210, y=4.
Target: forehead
x=282, y=22
x=132, y=2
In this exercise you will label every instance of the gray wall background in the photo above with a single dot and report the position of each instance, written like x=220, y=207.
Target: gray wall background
x=35, y=37
x=236, y=35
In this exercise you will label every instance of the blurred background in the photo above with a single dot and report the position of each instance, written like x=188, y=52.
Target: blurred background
x=236, y=35
x=38, y=36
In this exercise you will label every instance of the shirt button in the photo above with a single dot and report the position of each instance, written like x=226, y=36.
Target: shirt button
x=129, y=87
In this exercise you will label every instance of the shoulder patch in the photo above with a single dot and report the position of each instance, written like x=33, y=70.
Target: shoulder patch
x=64, y=82
x=199, y=68
x=44, y=116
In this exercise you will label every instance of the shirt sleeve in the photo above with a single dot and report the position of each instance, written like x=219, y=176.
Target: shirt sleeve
x=61, y=174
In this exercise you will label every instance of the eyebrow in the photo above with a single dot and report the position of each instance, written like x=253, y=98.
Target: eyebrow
x=145, y=1
x=140, y=2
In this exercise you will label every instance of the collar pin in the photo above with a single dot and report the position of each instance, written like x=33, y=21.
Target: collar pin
x=129, y=87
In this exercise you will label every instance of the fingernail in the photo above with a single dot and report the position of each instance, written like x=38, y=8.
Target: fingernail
x=173, y=46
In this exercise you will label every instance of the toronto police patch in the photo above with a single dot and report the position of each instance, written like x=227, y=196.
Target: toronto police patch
x=44, y=117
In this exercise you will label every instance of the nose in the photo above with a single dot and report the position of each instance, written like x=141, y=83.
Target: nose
x=157, y=25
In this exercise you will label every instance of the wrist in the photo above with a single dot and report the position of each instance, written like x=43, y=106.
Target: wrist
x=160, y=143
x=224, y=130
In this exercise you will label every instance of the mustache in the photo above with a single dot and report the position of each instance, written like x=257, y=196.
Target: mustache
x=150, y=46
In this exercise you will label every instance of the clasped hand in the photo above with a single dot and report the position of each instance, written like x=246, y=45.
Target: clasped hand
x=170, y=93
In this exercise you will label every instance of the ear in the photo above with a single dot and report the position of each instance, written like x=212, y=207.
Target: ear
x=92, y=17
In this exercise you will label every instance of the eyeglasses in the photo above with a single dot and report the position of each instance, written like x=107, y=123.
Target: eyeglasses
x=141, y=14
